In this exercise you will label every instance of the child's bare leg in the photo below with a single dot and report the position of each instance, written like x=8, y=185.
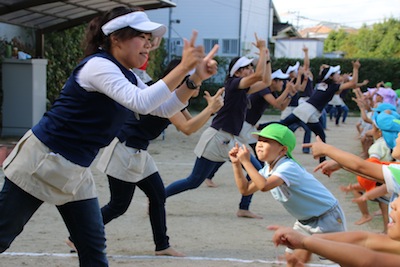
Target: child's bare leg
x=385, y=215
x=366, y=142
x=363, y=207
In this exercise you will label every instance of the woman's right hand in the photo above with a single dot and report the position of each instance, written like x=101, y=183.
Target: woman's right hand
x=192, y=55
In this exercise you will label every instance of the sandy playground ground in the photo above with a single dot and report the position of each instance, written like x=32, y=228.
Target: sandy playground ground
x=201, y=223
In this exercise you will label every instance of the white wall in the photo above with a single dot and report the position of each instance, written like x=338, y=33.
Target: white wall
x=255, y=19
x=217, y=19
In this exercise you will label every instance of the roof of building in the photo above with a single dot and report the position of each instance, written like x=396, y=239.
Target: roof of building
x=323, y=29
x=51, y=15
x=46, y=16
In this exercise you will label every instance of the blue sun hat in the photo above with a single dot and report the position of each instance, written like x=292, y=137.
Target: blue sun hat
x=385, y=107
x=389, y=126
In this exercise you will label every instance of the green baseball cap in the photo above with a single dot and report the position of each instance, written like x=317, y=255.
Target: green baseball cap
x=388, y=84
x=280, y=133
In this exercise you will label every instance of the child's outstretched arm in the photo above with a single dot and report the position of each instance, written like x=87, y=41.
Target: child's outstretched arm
x=346, y=159
x=342, y=253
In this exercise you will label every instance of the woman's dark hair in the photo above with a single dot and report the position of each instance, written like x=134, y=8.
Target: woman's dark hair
x=95, y=37
x=233, y=61
x=172, y=65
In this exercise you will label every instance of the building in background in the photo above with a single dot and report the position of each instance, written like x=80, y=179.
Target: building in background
x=231, y=24
x=323, y=29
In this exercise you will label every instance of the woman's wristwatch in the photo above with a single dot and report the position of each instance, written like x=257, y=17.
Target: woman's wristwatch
x=191, y=84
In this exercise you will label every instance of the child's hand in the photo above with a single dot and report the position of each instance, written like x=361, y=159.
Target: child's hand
x=318, y=147
x=328, y=167
x=346, y=189
x=233, y=154
x=286, y=236
x=243, y=154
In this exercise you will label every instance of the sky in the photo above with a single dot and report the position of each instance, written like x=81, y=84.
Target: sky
x=352, y=13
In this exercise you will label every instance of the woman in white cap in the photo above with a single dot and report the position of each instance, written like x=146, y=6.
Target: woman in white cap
x=216, y=141
x=51, y=161
x=328, y=85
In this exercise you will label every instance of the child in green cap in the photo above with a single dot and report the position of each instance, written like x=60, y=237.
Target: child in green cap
x=354, y=248
x=301, y=194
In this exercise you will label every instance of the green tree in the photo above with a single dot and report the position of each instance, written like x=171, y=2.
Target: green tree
x=157, y=62
x=335, y=41
x=63, y=50
x=379, y=41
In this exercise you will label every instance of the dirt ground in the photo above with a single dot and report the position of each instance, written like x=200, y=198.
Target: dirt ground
x=201, y=223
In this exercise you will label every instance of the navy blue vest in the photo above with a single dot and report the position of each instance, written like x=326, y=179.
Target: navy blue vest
x=80, y=122
x=139, y=132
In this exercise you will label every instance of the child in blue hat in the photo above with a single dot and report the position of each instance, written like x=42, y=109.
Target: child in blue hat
x=384, y=131
x=300, y=193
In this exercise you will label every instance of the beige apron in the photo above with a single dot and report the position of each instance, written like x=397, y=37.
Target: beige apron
x=126, y=163
x=46, y=175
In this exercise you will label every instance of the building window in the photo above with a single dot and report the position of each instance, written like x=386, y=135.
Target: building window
x=230, y=46
x=209, y=44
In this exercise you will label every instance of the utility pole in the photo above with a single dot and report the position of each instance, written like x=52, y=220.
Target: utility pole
x=170, y=21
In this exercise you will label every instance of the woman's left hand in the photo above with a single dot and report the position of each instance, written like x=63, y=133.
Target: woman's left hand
x=208, y=65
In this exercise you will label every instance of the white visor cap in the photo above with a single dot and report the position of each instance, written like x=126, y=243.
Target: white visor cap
x=331, y=71
x=242, y=62
x=137, y=20
x=278, y=74
x=294, y=68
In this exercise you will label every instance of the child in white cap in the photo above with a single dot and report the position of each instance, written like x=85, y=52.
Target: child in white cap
x=315, y=208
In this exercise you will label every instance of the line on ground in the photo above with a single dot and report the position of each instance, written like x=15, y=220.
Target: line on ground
x=143, y=257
